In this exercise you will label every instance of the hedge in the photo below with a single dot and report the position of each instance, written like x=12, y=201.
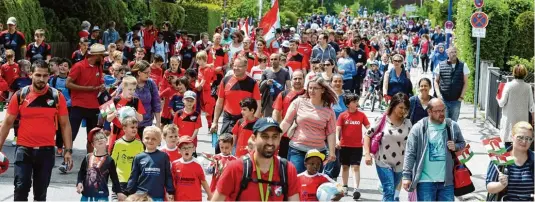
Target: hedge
x=493, y=46
x=202, y=18
x=521, y=44
x=28, y=13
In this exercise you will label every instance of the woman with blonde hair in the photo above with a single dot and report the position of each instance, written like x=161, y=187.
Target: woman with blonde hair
x=516, y=100
x=514, y=182
x=313, y=121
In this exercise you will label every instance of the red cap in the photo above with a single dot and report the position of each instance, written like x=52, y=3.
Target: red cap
x=184, y=140
x=92, y=133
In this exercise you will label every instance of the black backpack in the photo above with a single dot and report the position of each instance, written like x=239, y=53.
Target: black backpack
x=248, y=171
x=22, y=93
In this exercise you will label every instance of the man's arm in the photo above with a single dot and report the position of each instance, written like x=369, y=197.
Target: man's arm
x=258, y=112
x=6, y=126
x=437, y=87
x=70, y=85
x=66, y=131
x=217, y=114
x=465, y=86
x=294, y=197
x=220, y=197
x=276, y=115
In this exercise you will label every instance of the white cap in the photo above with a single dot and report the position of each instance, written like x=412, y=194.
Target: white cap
x=12, y=21
x=190, y=94
x=285, y=44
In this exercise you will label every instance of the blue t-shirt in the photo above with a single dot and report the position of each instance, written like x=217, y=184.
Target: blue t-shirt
x=151, y=173
x=340, y=106
x=20, y=83
x=176, y=103
x=61, y=85
x=434, y=166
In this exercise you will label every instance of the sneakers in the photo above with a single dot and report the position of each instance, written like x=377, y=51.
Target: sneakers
x=14, y=142
x=63, y=168
x=356, y=195
x=345, y=190
x=59, y=152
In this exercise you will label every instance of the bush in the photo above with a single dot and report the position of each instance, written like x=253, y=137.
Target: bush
x=288, y=18
x=522, y=43
x=163, y=11
x=202, y=18
x=492, y=46
x=515, y=60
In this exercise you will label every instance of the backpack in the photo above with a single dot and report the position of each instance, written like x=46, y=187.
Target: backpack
x=26, y=90
x=55, y=81
x=248, y=171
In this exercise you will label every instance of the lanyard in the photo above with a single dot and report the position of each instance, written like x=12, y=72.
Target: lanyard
x=260, y=187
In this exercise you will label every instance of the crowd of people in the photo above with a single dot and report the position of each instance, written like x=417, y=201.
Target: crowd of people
x=314, y=79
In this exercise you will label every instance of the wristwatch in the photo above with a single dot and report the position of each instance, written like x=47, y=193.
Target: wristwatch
x=67, y=150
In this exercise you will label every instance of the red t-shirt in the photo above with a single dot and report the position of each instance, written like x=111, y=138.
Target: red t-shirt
x=187, y=179
x=166, y=95
x=117, y=129
x=282, y=104
x=233, y=90
x=351, y=124
x=218, y=57
x=243, y=130
x=221, y=164
x=84, y=74
x=38, y=117
x=164, y=85
x=208, y=74
x=10, y=72
x=173, y=154
x=229, y=182
x=296, y=61
x=251, y=58
x=310, y=184
x=306, y=50
x=156, y=74
x=149, y=36
x=187, y=123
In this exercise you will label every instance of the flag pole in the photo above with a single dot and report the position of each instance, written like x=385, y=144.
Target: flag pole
x=259, y=10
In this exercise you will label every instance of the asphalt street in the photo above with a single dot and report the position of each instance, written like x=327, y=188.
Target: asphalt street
x=62, y=186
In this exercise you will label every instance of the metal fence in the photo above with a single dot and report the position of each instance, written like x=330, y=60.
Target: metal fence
x=494, y=112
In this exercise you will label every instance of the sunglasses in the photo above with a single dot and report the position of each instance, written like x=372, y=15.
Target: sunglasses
x=327, y=64
x=524, y=138
x=398, y=60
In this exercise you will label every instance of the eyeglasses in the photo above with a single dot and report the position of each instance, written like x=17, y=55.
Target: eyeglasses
x=99, y=139
x=439, y=111
x=186, y=148
x=398, y=61
x=146, y=72
x=524, y=138
x=327, y=64
x=314, y=88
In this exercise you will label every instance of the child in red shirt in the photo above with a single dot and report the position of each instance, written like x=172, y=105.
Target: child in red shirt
x=173, y=71
x=203, y=85
x=349, y=140
x=129, y=85
x=188, y=175
x=10, y=70
x=188, y=120
x=167, y=94
x=156, y=72
x=220, y=160
x=243, y=129
x=170, y=135
x=310, y=179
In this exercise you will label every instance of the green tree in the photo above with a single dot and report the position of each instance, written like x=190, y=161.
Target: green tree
x=522, y=43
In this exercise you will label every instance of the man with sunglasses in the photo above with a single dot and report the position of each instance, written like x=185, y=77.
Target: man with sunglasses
x=430, y=170
x=39, y=50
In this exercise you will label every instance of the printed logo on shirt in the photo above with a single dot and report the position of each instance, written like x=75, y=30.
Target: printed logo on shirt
x=188, y=181
x=349, y=122
x=151, y=171
x=193, y=118
x=50, y=102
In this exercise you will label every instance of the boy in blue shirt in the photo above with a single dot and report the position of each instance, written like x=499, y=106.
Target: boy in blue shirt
x=60, y=82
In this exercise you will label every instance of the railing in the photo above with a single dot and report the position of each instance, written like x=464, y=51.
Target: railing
x=494, y=112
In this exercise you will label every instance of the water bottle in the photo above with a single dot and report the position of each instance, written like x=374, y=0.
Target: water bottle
x=214, y=139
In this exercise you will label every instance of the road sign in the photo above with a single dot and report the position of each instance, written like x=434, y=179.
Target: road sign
x=449, y=27
x=479, y=3
x=479, y=20
x=479, y=32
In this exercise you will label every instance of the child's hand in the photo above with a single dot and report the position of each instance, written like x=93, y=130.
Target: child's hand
x=337, y=144
x=170, y=197
x=210, y=196
x=79, y=188
x=121, y=197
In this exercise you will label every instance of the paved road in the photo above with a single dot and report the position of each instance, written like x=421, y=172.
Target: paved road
x=62, y=187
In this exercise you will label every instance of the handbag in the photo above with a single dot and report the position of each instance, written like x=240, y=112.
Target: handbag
x=461, y=174
x=377, y=136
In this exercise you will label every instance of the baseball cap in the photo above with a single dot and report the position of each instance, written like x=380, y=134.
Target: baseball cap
x=263, y=124
x=96, y=28
x=315, y=153
x=285, y=44
x=183, y=140
x=190, y=94
x=12, y=21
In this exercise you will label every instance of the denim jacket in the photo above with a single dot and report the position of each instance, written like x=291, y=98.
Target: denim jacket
x=417, y=145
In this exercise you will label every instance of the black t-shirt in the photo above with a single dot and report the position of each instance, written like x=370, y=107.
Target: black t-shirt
x=359, y=56
x=14, y=42
x=94, y=174
x=335, y=46
x=34, y=52
x=187, y=56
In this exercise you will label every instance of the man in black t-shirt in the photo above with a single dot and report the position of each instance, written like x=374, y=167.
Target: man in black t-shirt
x=359, y=56
x=13, y=39
x=188, y=52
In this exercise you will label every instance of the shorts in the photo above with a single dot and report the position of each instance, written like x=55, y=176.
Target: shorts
x=350, y=155
x=373, y=87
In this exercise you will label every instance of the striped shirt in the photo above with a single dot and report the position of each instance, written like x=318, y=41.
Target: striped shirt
x=314, y=124
x=520, y=181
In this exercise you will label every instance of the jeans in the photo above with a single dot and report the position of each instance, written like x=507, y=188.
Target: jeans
x=77, y=114
x=228, y=123
x=453, y=109
x=348, y=85
x=389, y=180
x=32, y=164
x=86, y=198
x=434, y=191
x=298, y=159
x=332, y=169
x=283, y=147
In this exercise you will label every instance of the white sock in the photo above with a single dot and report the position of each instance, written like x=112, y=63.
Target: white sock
x=396, y=195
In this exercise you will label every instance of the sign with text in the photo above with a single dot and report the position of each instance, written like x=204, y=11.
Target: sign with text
x=479, y=32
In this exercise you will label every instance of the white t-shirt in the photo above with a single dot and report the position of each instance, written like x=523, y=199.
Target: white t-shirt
x=256, y=73
x=233, y=50
x=160, y=49
x=466, y=71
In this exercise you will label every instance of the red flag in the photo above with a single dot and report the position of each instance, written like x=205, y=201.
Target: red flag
x=269, y=21
x=500, y=90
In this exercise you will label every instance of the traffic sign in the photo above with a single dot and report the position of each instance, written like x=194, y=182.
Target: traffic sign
x=479, y=32
x=449, y=27
x=479, y=3
x=479, y=20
